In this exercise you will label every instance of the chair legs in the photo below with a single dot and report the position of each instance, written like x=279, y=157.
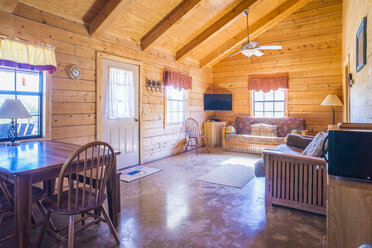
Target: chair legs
x=71, y=227
x=206, y=144
x=43, y=229
x=187, y=144
x=109, y=223
x=71, y=232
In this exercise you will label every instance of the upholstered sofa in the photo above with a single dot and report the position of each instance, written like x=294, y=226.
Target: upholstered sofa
x=243, y=141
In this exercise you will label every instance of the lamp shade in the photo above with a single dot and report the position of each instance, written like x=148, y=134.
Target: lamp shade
x=13, y=109
x=331, y=100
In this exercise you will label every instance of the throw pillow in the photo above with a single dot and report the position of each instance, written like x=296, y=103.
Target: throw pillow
x=256, y=129
x=298, y=141
x=230, y=130
x=314, y=149
x=262, y=129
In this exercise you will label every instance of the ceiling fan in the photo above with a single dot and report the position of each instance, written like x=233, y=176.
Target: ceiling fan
x=250, y=48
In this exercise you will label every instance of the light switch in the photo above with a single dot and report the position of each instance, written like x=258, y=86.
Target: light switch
x=145, y=110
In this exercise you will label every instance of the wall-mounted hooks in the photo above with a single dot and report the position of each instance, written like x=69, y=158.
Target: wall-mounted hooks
x=153, y=86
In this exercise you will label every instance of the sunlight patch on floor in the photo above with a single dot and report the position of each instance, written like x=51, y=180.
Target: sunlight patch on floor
x=249, y=162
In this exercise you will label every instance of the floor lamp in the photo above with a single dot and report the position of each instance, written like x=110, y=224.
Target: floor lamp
x=332, y=100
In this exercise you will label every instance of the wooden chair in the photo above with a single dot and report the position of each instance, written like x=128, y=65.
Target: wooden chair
x=80, y=198
x=295, y=181
x=7, y=206
x=194, y=137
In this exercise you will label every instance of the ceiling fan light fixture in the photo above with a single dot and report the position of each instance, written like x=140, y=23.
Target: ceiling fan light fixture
x=248, y=53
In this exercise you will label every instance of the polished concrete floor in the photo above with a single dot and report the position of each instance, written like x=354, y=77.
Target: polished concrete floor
x=173, y=209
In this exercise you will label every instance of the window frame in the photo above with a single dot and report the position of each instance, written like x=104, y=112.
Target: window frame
x=252, y=108
x=186, y=101
x=40, y=94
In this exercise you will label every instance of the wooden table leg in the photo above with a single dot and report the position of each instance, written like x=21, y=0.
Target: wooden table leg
x=112, y=197
x=22, y=205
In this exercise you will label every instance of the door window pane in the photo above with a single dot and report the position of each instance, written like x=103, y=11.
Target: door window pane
x=120, y=94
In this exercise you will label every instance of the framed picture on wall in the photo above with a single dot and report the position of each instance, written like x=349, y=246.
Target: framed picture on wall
x=361, y=45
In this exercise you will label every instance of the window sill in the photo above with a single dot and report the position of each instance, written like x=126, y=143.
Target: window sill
x=27, y=140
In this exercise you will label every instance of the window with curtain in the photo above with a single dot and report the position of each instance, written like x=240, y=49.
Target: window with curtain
x=176, y=106
x=26, y=86
x=120, y=94
x=270, y=104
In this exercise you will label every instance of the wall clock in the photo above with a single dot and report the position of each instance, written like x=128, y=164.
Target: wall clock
x=74, y=72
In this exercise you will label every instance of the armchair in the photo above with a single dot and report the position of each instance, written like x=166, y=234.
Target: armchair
x=295, y=181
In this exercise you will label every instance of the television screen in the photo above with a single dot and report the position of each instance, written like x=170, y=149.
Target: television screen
x=218, y=102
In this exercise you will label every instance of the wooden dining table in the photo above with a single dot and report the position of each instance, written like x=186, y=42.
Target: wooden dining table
x=40, y=161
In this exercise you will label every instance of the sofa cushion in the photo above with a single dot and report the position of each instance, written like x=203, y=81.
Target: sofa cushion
x=298, y=141
x=262, y=129
x=285, y=125
x=314, y=149
x=259, y=140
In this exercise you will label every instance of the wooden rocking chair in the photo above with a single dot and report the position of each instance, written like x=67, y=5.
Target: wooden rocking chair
x=80, y=197
x=194, y=137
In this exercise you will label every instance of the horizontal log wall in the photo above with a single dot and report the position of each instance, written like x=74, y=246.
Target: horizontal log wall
x=311, y=54
x=361, y=92
x=74, y=101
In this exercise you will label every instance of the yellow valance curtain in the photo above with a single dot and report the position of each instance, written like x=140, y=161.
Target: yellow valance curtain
x=27, y=56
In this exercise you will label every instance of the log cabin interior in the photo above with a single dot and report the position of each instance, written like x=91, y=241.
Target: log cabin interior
x=185, y=123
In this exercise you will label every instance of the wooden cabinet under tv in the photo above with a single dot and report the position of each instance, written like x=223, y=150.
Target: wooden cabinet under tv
x=213, y=132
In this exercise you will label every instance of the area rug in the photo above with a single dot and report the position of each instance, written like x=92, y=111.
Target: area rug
x=234, y=175
x=137, y=172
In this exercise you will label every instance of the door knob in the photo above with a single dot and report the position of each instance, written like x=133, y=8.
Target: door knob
x=135, y=119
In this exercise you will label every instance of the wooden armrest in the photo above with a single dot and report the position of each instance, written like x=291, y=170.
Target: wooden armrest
x=294, y=156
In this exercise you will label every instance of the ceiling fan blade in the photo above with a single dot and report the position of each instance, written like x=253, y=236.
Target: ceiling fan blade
x=235, y=54
x=270, y=47
x=258, y=53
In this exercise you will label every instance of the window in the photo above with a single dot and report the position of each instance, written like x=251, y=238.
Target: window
x=120, y=100
x=176, y=106
x=26, y=86
x=270, y=104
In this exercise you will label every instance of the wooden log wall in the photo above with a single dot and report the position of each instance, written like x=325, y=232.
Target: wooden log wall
x=74, y=102
x=311, y=54
x=361, y=92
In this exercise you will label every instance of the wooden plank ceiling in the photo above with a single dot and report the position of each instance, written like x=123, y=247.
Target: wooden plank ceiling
x=204, y=31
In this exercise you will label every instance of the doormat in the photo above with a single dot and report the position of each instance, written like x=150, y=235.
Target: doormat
x=137, y=172
x=234, y=175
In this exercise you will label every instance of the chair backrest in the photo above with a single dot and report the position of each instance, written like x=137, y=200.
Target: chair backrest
x=93, y=161
x=192, y=128
x=30, y=128
x=22, y=129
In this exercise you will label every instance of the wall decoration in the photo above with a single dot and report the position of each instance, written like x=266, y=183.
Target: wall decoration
x=361, y=45
x=74, y=72
x=152, y=85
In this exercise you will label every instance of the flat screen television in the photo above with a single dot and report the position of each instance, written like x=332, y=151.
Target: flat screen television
x=218, y=102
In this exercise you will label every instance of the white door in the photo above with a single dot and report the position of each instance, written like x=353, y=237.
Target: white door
x=119, y=110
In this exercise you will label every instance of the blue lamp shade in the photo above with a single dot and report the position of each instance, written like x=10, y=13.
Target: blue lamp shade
x=13, y=109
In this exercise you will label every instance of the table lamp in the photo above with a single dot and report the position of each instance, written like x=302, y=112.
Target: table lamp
x=332, y=100
x=13, y=109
